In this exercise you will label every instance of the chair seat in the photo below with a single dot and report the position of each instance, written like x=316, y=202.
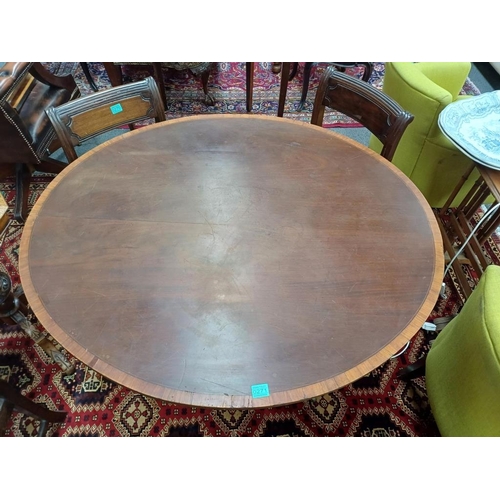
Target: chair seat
x=33, y=116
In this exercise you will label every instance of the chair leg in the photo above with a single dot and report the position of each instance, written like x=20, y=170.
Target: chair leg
x=6, y=409
x=305, y=86
x=249, y=67
x=368, y=70
x=160, y=82
x=42, y=430
x=285, y=73
x=293, y=72
x=88, y=76
x=23, y=178
x=51, y=166
x=414, y=370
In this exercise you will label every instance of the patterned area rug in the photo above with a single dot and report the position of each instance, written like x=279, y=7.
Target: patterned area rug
x=227, y=84
x=378, y=404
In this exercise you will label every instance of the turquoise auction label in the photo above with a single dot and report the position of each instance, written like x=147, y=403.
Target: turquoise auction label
x=116, y=108
x=260, y=391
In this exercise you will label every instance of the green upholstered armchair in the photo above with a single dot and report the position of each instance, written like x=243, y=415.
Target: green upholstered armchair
x=463, y=365
x=462, y=368
x=424, y=154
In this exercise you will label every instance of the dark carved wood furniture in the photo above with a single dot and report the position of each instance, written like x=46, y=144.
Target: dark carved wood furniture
x=12, y=401
x=26, y=134
x=380, y=114
x=91, y=115
x=116, y=78
x=289, y=71
x=201, y=69
x=200, y=257
x=249, y=68
x=285, y=75
x=342, y=66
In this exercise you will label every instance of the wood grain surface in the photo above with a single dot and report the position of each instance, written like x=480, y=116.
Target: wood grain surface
x=195, y=258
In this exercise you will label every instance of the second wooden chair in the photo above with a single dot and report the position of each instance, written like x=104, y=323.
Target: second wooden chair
x=94, y=114
x=362, y=102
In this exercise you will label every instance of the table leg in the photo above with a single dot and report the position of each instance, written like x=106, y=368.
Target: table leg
x=457, y=266
x=472, y=249
x=474, y=202
x=489, y=227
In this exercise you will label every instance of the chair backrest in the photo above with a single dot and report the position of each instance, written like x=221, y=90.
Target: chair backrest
x=81, y=119
x=362, y=102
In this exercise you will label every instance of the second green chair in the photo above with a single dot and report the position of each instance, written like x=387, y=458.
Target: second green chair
x=424, y=154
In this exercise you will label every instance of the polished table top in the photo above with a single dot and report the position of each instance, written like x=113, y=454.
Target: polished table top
x=196, y=258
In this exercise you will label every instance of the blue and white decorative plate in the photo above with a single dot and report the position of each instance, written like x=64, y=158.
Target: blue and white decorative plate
x=473, y=125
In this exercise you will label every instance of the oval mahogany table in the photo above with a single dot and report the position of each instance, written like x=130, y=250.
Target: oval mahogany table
x=193, y=259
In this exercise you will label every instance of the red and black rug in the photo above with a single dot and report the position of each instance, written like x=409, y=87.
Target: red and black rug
x=379, y=404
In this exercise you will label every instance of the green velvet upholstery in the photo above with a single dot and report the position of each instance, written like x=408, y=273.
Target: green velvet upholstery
x=462, y=369
x=424, y=154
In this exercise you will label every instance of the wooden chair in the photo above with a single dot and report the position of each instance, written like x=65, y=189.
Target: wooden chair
x=11, y=400
x=91, y=115
x=26, y=135
x=362, y=102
